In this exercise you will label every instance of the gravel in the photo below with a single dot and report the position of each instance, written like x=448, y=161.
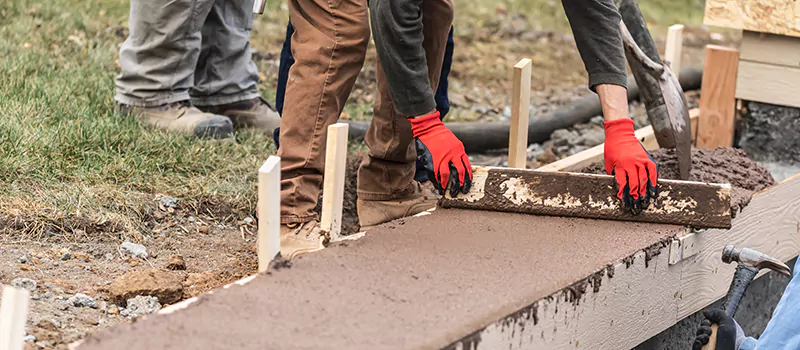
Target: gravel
x=133, y=249
x=82, y=300
x=24, y=283
x=140, y=306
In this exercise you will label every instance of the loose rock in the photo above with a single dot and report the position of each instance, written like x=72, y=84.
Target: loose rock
x=29, y=338
x=141, y=305
x=133, y=249
x=23, y=259
x=82, y=300
x=168, y=202
x=164, y=285
x=67, y=256
x=24, y=283
x=176, y=262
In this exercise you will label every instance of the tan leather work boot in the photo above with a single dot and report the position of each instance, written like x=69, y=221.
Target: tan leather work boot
x=301, y=238
x=256, y=113
x=373, y=213
x=183, y=118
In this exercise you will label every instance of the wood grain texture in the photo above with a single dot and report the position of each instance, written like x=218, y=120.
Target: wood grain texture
x=768, y=83
x=333, y=183
x=768, y=16
x=717, y=99
x=520, y=111
x=591, y=196
x=13, y=317
x=770, y=48
x=595, y=154
x=769, y=224
x=269, y=211
x=674, y=50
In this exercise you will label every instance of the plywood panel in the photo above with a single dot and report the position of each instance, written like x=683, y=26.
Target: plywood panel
x=768, y=83
x=768, y=16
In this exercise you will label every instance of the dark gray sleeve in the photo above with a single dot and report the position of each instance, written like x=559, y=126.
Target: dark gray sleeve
x=595, y=26
x=397, y=31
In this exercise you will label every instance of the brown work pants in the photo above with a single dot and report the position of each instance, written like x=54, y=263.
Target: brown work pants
x=329, y=45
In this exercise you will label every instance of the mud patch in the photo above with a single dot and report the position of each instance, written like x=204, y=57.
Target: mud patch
x=718, y=165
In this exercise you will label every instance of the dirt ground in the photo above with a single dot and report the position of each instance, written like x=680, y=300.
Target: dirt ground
x=220, y=250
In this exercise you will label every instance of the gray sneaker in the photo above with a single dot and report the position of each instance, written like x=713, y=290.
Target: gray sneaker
x=183, y=118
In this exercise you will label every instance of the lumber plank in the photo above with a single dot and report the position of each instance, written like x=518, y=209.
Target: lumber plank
x=717, y=99
x=768, y=16
x=645, y=294
x=595, y=154
x=768, y=83
x=269, y=211
x=770, y=48
x=520, y=111
x=333, y=185
x=591, y=196
x=13, y=316
x=674, y=50
x=768, y=224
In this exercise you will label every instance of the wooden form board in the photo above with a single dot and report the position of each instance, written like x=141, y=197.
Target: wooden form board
x=769, y=69
x=717, y=97
x=269, y=211
x=647, y=295
x=333, y=185
x=767, y=16
x=674, y=49
x=595, y=154
x=591, y=196
x=520, y=112
x=13, y=316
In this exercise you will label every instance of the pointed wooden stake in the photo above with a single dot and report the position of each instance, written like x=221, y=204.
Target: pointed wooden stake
x=269, y=211
x=13, y=315
x=333, y=186
x=520, y=111
x=674, y=48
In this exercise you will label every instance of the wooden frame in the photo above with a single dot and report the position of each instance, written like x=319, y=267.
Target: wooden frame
x=333, y=186
x=595, y=154
x=269, y=211
x=718, y=97
x=647, y=294
x=769, y=69
x=13, y=316
x=674, y=50
x=520, y=112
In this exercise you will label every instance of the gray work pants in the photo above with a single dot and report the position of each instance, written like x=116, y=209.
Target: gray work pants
x=187, y=49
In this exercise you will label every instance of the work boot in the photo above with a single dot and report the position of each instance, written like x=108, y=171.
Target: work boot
x=301, y=238
x=373, y=213
x=255, y=113
x=183, y=118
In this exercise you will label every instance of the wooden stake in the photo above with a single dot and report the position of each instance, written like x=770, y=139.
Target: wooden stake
x=333, y=186
x=674, y=47
x=13, y=315
x=258, y=6
x=269, y=211
x=717, y=97
x=520, y=111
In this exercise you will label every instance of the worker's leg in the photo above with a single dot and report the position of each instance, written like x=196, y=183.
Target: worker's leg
x=387, y=172
x=226, y=77
x=157, y=61
x=329, y=44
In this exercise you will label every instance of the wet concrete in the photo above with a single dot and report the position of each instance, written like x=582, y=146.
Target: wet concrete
x=416, y=283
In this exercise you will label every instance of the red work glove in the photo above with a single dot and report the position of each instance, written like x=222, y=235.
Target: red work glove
x=635, y=171
x=442, y=155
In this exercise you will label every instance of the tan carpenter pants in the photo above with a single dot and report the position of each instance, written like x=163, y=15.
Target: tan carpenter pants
x=329, y=45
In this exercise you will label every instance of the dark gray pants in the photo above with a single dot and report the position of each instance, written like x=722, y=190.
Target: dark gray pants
x=187, y=49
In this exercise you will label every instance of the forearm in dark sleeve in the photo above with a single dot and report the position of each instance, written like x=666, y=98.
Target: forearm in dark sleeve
x=397, y=31
x=595, y=26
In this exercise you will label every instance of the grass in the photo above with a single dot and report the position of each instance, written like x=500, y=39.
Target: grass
x=69, y=166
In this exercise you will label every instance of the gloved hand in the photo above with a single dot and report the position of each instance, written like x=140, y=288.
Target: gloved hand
x=442, y=155
x=727, y=334
x=635, y=171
